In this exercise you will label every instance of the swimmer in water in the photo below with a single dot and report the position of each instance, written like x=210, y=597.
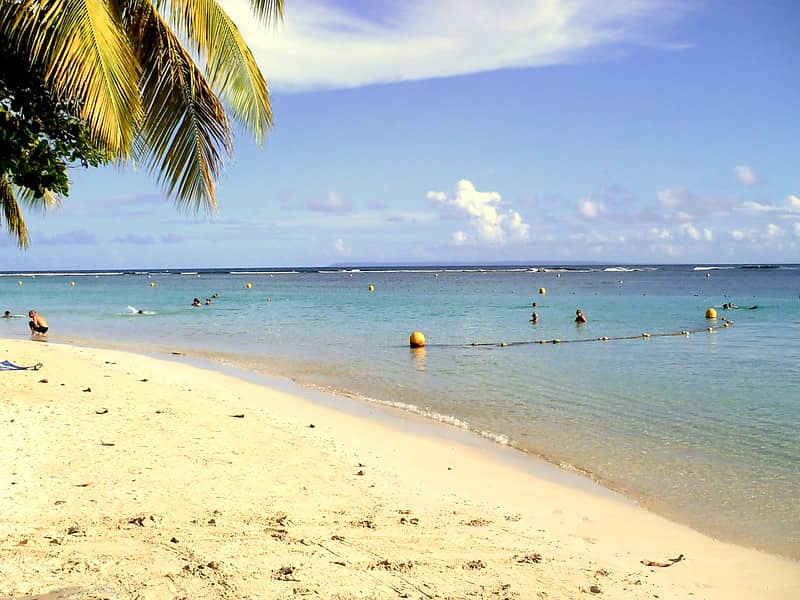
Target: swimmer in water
x=534, y=318
x=579, y=316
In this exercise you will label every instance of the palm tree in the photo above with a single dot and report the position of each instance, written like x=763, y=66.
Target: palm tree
x=144, y=96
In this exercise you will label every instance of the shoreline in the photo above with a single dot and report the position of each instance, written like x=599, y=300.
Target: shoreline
x=417, y=423
x=414, y=422
x=130, y=476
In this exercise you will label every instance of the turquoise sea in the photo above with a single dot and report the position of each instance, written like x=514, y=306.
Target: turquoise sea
x=703, y=428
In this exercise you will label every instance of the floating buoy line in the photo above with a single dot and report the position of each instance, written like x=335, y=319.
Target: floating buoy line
x=642, y=336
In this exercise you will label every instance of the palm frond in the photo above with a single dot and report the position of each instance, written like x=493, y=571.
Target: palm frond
x=43, y=203
x=268, y=11
x=230, y=67
x=12, y=214
x=86, y=57
x=185, y=132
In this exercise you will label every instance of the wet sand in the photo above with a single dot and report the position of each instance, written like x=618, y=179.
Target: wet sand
x=123, y=476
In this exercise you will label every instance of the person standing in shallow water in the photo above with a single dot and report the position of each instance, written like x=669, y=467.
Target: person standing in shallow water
x=38, y=324
x=579, y=316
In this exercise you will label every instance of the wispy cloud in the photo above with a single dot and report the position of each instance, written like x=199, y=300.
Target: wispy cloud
x=330, y=203
x=773, y=231
x=682, y=205
x=342, y=249
x=78, y=237
x=419, y=39
x=129, y=205
x=695, y=233
x=746, y=175
x=590, y=209
x=135, y=239
x=790, y=207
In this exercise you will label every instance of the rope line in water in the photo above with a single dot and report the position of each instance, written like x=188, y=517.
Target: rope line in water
x=641, y=336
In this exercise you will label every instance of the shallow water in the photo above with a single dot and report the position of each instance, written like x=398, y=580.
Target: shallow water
x=702, y=428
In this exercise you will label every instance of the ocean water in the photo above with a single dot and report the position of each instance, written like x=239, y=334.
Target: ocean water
x=703, y=428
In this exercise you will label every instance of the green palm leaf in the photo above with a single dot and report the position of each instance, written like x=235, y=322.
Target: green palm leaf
x=268, y=11
x=185, y=133
x=86, y=56
x=230, y=67
x=12, y=214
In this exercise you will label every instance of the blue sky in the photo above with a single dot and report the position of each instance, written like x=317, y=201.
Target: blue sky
x=475, y=131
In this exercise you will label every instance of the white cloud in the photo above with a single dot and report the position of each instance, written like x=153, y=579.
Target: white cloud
x=419, y=39
x=797, y=229
x=790, y=208
x=341, y=248
x=481, y=208
x=657, y=233
x=674, y=197
x=590, y=209
x=683, y=205
x=738, y=235
x=331, y=203
x=690, y=230
x=773, y=231
x=758, y=207
x=746, y=175
x=459, y=238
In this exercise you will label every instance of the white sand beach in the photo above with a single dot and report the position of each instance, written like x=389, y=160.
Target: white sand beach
x=128, y=477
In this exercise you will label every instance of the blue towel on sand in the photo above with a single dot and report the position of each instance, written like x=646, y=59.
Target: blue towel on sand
x=7, y=365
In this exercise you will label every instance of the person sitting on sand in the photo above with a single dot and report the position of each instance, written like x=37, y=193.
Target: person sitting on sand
x=579, y=316
x=534, y=318
x=38, y=324
x=196, y=302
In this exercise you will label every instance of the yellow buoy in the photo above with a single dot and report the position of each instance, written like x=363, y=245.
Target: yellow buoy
x=417, y=339
x=371, y=288
x=152, y=284
x=19, y=282
x=249, y=285
x=542, y=291
x=72, y=283
x=711, y=313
